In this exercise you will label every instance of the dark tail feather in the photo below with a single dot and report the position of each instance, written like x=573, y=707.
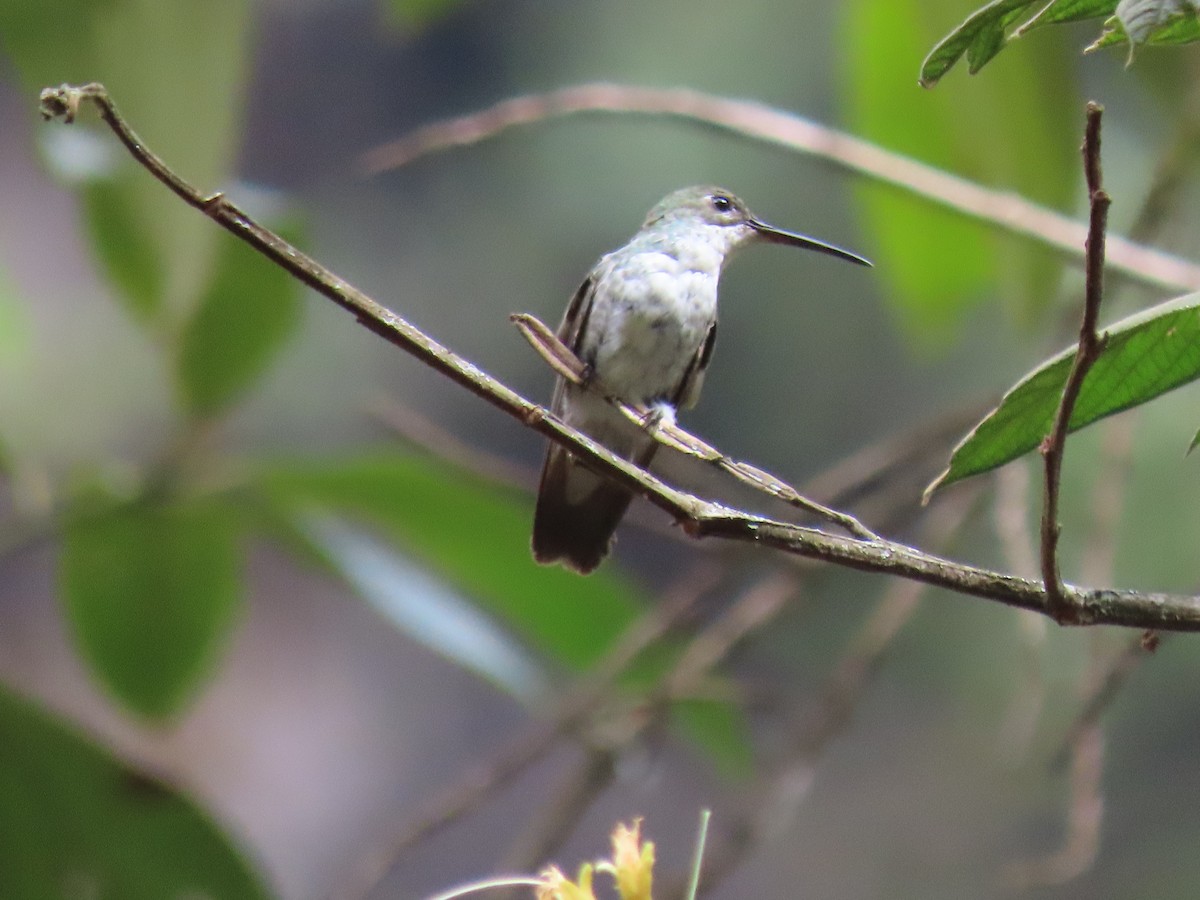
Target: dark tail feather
x=579, y=533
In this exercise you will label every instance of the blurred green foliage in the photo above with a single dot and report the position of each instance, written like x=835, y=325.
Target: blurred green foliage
x=1006, y=129
x=152, y=579
x=121, y=241
x=79, y=823
x=246, y=313
x=150, y=589
x=413, y=15
x=476, y=535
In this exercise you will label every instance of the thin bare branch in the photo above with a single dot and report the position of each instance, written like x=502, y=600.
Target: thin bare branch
x=545, y=831
x=788, y=780
x=687, y=679
x=752, y=610
x=1085, y=815
x=1104, y=686
x=699, y=517
x=557, y=355
x=424, y=434
x=1002, y=209
x=574, y=710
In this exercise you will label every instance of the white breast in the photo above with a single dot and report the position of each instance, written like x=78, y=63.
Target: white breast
x=650, y=315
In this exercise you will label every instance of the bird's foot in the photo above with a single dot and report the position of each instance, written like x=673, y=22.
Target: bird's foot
x=659, y=415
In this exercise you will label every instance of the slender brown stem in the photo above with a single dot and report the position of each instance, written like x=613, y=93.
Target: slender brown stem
x=996, y=207
x=1090, y=346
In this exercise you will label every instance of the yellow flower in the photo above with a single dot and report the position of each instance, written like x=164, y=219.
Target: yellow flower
x=555, y=885
x=632, y=865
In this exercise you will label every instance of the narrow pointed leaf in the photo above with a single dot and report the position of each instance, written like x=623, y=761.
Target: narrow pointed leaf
x=1062, y=11
x=413, y=599
x=246, y=313
x=473, y=535
x=981, y=27
x=989, y=29
x=150, y=593
x=1146, y=355
x=78, y=823
x=124, y=247
x=473, y=539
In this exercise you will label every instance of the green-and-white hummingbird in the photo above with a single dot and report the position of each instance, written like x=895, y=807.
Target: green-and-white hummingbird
x=643, y=323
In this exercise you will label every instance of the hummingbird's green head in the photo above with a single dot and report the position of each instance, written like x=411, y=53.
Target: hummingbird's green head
x=726, y=221
x=700, y=206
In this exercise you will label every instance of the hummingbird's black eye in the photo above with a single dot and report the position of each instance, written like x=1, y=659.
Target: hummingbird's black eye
x=721, y=203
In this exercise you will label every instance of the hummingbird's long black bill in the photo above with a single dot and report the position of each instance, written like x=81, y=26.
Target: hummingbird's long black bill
x=775, y=236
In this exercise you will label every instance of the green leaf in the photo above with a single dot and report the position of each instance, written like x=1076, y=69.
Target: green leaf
x=45, y=56
x=935, y=263
x=475, y=535
x=418, y=603
x=989, y=29
x=1112, y=36
x=244, y=317
x=1146, y=355
x=1183, y=30
x=150, y=592
x=986, y=43
x=1062, y=11
x=122, y=241
x=1151, y=22
x=722, y=729
x=15, y=328
x=178, y=71
x=907, y=234
x=1142, y=19
x=414, y=15
x=78, y=823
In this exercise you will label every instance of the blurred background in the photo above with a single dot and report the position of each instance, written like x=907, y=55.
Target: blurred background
x=265, y=591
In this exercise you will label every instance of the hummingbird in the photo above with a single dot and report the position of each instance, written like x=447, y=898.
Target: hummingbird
x=643, y=323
